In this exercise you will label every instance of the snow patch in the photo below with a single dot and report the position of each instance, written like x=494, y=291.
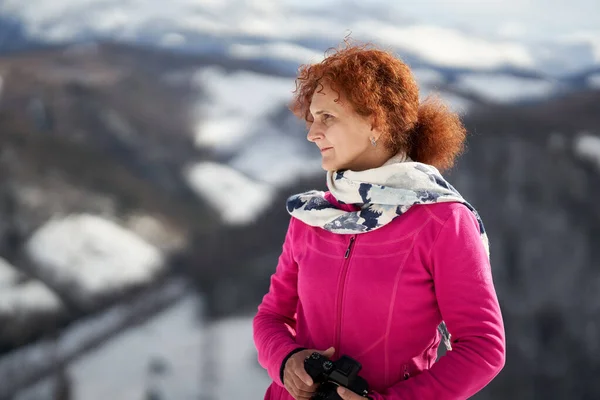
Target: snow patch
x=234, y=104
x=172, y=40
x=8, y=274
x=28, y=297
x=288, y=164
x=277, y=50
x=506, y=88
x=587, y=146
x=594, y=80
x=237, y=199
x=18, y=297
x=95, y=255
x=449, y=47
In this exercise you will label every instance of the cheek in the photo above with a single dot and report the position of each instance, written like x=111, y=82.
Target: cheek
x=355, y=142
x=348, y=143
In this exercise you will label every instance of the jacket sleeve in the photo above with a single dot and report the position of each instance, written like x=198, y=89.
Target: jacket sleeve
x=274, y=323
x=468, y=304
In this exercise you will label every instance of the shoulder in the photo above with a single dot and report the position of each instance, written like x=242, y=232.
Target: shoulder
x=297, y=228
x=442, y=220
x=444, y=211
x=457, y=227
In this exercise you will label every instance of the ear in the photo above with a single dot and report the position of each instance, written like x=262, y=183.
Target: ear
x=375, y=132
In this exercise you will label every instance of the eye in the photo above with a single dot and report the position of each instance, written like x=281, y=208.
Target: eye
x=326, y=117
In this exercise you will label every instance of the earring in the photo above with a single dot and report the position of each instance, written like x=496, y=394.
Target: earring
x=373, y=141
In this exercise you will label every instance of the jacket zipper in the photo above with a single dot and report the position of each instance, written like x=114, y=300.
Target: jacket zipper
x=349, y=247
x=341, y=288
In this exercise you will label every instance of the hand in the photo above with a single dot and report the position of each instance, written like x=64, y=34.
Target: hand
x=347, y=394
x=295, y=379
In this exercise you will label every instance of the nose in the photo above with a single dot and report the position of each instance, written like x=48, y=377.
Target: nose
x=314, y=133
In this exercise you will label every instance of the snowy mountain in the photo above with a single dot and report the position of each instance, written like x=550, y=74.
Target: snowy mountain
x=480, y=37
x=236, y=113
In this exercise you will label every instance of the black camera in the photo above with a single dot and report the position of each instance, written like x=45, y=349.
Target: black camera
x=331, y=374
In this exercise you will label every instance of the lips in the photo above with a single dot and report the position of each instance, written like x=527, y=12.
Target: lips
x=324, y=149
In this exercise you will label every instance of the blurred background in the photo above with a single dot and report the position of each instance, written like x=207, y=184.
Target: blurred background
x=146, y=152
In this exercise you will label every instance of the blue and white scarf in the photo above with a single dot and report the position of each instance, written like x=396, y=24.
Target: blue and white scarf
x=382, y=194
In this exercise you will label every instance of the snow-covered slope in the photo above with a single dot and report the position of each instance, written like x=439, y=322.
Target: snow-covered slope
x=170, y=354
x=92, y=255
x=233, y=105
x=237, y=198
x=462, y=50
x=236, y=115
x=21, y=367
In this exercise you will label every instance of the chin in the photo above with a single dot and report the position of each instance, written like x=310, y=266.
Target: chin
x=329, y=163
x=327, y=166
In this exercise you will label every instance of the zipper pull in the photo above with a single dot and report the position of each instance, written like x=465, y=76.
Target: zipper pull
x=349, y=247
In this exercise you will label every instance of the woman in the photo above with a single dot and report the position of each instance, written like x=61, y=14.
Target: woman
x=370, y=268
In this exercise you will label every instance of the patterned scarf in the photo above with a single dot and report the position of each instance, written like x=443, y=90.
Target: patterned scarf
x=382, y=194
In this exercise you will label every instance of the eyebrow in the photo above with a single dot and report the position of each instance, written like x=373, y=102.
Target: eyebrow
x=322, y=112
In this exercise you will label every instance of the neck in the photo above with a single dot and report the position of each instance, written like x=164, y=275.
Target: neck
x=370, y=160
x=376, y=160
x=398, y=158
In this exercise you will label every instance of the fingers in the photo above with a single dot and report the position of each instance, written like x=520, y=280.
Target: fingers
x=296, y=369
x=303, y=394
x=327, y=353
x=298, y=395
x=296, y=386
x=301, y=386
x=298, y=389
x=304, y=377
x=346, y=394
x=300, y=372
x=296, y=380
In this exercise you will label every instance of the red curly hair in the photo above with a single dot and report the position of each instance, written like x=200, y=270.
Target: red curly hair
x=380, y=86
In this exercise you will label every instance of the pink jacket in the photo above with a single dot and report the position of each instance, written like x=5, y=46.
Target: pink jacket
x=378, y=297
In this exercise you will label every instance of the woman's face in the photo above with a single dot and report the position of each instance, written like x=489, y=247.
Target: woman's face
x=342, y=135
